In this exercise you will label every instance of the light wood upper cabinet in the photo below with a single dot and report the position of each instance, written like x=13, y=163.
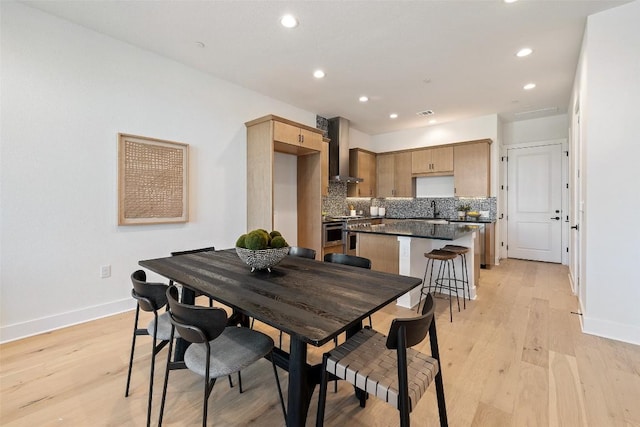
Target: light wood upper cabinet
x=297, y=136
x=362, y=164
x=432, y=161
x=472, y=172
x=394, y=175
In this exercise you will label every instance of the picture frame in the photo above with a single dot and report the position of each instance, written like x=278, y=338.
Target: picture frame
x=152, y=180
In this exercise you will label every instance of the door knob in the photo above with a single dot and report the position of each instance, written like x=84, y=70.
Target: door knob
x=557, y=218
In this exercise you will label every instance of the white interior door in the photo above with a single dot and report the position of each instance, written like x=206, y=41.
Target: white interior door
x=535, y=203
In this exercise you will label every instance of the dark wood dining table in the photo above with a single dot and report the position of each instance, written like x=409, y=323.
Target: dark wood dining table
x=311, y=301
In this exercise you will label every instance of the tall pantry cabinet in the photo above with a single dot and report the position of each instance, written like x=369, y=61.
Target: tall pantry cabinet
x=265, y=136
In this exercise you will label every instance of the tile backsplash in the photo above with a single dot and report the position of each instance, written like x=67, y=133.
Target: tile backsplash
x=337, y=203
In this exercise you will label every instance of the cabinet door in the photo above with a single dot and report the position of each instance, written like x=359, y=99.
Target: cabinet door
x=324, y=168
x=471, y=170
x=385, y=165
x=288, y=134
x=403, y=186
x=310, y=140
x=369, y=174
x=442, y=159
x=421, y=161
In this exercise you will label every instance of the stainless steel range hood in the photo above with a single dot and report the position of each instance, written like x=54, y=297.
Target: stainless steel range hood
x=339, y=151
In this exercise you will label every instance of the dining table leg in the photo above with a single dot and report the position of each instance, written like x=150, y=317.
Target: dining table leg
x=301, y=384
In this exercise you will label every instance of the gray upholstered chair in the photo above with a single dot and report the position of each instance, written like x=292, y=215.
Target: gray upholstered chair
x=216, y=350
x=387, y=366
x=151, y=297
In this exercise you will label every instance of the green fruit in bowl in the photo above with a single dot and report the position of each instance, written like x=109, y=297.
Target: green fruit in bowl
x=278, y=242
x=256, y=240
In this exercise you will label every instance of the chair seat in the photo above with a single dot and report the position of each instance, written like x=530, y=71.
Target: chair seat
x=456, y=249
x=441, y=255
x=164, y=327
x=235, y=349
x=373, y=368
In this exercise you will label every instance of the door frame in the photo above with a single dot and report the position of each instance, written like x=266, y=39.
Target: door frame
x=564, y=193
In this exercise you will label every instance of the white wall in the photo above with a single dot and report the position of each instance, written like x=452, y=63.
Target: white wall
x=359, y=139
x=608, y=88
x=66, y=93
x=535, y=130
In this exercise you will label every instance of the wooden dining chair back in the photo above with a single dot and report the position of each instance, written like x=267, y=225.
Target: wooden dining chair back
x=150, y=297
x=353, y=260
x=194, y=251
x=381, y=365
x=216, y=350
x=299, y=251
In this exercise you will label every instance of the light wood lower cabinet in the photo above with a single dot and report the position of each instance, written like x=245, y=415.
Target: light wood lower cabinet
x=383, y=251
x=336, y=249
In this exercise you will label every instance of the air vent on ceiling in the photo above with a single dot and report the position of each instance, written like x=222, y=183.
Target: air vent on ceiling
x=425, y=113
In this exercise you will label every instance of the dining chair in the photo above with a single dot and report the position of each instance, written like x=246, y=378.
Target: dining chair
x=387, y=366
x=216, y=350
x=194, y=251
x=353, y=260
x=356, y=261
x=299, y=251
x=150, y=297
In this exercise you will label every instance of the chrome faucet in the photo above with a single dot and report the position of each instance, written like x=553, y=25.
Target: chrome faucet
x=433, y=206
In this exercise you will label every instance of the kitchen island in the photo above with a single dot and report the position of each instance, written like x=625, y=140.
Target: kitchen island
x=399, y=247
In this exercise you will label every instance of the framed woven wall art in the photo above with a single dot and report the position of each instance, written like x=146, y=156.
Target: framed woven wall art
x=152, y=180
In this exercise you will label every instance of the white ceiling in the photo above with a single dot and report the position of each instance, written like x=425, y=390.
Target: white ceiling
x=456, y=58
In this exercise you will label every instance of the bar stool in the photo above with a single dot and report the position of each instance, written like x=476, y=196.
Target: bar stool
x=446, y=259
x=462, y=251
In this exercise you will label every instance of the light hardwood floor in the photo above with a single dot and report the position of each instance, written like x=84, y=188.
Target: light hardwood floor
x=514, y=357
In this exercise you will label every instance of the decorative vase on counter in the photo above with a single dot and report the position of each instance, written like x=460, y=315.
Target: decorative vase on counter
x=461, y=214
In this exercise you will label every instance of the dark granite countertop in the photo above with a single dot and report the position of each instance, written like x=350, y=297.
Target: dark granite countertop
x=480, y=220
x=418, y=228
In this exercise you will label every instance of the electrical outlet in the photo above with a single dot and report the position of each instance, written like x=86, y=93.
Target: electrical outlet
x=105, y=271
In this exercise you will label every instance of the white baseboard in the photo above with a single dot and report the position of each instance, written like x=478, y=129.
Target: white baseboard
x=613, y=330
x=62, y=320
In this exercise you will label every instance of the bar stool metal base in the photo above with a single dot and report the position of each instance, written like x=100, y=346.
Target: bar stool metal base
x=441, y=282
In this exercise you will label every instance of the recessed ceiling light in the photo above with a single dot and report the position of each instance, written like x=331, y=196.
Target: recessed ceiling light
x=289, y=21
x=425, y=113
x=393, y=116
x=526, y=51
x=510, y=1
x=200, y=44
x=363, y=98
x=529, y=86
x=318, y=74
